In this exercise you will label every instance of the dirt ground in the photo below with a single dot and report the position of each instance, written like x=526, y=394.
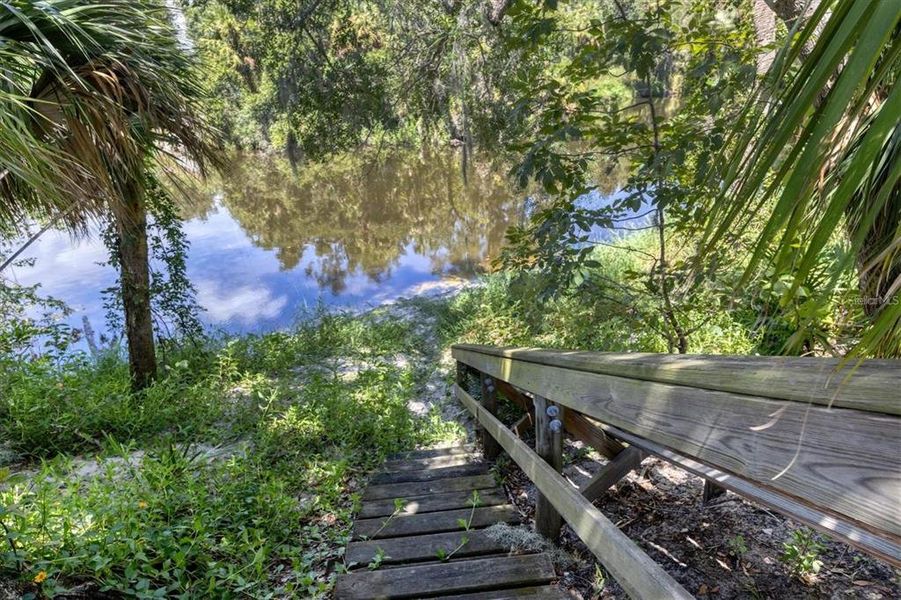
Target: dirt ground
x=729, y=548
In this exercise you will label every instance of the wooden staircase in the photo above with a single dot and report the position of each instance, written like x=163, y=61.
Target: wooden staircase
x=421, y=534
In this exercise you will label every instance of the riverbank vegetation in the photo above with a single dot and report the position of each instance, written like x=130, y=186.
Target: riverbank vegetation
x=234, y=473
x=690, y=180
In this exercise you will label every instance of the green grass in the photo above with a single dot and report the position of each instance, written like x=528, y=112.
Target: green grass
x=234, y=474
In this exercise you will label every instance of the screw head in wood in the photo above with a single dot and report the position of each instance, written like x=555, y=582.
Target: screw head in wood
x=552, y=411
x=555, y=425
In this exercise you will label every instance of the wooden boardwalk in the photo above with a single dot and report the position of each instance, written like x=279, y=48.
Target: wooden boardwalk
x=421, y=533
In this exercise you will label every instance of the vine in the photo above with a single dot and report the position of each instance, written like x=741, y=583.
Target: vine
x=173, y=298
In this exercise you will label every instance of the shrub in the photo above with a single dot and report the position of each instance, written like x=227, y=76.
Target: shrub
x=161, y=511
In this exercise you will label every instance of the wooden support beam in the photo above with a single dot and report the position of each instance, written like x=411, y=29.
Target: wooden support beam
x=581, y=428
x=514, y=395
x=490, y=447
x=711, y=491
x=549, y=446
x=523, y=424
x=616, y=469
x=637, y=574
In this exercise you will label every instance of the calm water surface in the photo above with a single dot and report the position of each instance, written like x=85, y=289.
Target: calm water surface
x=268, y=245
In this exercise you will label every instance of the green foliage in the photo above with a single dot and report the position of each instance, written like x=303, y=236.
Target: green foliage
x=683, y=63
x=599, y=581
x=227, y=476
x=174, y=525
x=815, y=150
x=31, y=323
x=377, y=558
x=172, y=296
x=509, y=310
x=91, y=91
x=288, y=74
x=737, y=546
x=802, y=553
x=312, y=79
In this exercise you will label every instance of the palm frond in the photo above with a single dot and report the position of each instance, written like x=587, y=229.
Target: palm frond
x=88, y=93
x=818, y=151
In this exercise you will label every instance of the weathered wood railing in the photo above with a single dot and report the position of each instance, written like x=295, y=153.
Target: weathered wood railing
x=819, y=443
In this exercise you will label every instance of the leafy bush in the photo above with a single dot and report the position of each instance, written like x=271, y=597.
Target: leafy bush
x=802, y=553
x=510, y=310
x=230, y=475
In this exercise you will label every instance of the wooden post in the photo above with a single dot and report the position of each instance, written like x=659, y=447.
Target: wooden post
x=549, y=446
x=461, y=375
x=711, y=491
x=490, y=447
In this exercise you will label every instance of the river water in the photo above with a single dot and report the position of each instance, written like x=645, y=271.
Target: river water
x=268, y=244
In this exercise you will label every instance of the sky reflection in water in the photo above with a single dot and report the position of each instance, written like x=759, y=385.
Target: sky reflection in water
x=268, y=245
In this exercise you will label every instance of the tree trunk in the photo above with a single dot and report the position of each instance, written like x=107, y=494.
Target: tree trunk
x=496, y=9
x=131, y=221
x=765, y=30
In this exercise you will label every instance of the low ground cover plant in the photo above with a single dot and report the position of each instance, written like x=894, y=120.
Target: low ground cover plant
x=234, y=474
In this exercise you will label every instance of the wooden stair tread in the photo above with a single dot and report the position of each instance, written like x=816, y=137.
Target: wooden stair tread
x=545, y=592
x=426, y=503
x=436, y=489
x=429, y=474
x=416, y=581
x=431, y=452
x=421, y=488
x=430, y=462
x=435, y=522
x=421, y=548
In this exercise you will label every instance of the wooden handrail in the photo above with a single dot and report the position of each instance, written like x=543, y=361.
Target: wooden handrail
x=870, y=385
x=834, y=468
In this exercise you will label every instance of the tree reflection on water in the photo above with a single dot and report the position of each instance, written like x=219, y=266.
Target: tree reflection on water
x=359, y=214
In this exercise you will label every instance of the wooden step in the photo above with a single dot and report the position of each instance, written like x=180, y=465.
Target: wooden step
x=429, y=474
x=435, y=522
x=421, y=488
x=432, y=462
x=416, y=581
x=421, y=548
x=545, y=592
x=425, y=503
x=431, y=452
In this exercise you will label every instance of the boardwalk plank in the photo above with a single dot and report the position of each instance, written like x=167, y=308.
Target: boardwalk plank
x=429, y=474
x=421, y=488
x=435, y=522
x=426, y=503
x=422, y=548
x=431, y=452
x=446, y=578
x=430, y=462
x=545, y=592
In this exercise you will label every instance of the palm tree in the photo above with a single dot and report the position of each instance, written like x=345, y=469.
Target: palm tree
x=822, y=154
x=92, y=97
